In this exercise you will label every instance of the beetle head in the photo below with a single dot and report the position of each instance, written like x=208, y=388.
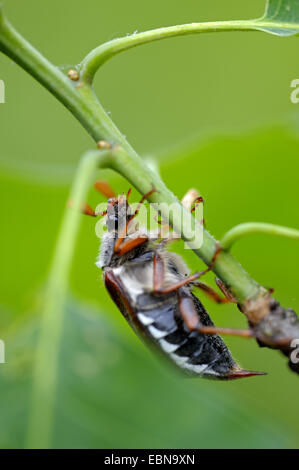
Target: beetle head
x=118, y=213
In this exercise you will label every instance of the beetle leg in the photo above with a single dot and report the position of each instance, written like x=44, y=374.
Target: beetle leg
x=225, y=291
x=178, y=285
x=215, y=330
x=85, y=208
x=128, y=193
x=213, y=260
x=158, y=275
x=103, y=188
x=213, y=294
x=129, y=244
x=190, y=317
x=188, y=279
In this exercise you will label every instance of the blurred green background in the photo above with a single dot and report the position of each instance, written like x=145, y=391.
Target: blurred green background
x=215, y=111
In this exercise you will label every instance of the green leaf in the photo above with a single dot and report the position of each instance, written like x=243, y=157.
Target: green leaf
x=282, y=16
x=114, y=393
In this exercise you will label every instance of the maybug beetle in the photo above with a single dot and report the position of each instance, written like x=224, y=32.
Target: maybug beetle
x=152, y=288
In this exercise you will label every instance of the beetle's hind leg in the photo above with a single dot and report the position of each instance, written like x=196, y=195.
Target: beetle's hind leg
x=190, y=317
x=186, y=305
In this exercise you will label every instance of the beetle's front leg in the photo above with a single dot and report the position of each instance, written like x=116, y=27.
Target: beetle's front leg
x=129, y=244
x=213, y=294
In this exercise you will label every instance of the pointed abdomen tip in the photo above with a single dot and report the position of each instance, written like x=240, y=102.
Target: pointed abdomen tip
x=242, y=373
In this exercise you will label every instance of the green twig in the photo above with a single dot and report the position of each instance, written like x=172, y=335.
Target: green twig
x=98, y=56
x=249, y=228
x=101, y=54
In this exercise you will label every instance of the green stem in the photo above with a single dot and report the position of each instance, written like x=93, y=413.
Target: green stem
x=47, y=352
x=77, y=98
x=98, y=56
x=101, y=54
x=249, y=228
